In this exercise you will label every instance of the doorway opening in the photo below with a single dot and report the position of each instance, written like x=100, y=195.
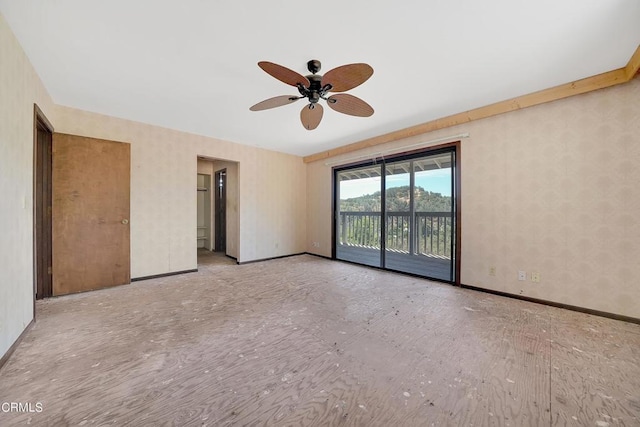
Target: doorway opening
x=401, y=213
x=218, y=222
x=42, y=204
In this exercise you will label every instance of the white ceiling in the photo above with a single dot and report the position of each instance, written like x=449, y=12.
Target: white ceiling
x=191, y=65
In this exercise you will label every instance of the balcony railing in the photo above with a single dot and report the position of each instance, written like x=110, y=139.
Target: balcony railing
x=432, y=236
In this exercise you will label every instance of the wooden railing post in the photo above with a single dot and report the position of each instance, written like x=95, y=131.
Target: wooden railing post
x=343, y=218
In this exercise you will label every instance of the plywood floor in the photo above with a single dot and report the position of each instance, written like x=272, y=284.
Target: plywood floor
x=306, y=341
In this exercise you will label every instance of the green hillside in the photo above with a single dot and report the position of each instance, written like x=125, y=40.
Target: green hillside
x=398, y=201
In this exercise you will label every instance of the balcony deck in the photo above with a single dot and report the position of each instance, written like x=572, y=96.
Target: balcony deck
x=423, y=265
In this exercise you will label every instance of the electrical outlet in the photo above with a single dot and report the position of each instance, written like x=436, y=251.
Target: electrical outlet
x=522, y=275
x=492, y=271
x=535, y=277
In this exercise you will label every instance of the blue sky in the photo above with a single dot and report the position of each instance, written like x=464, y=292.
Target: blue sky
x=437, y=180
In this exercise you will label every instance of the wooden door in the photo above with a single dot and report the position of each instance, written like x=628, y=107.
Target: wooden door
x=90, y=213
x=221, y=210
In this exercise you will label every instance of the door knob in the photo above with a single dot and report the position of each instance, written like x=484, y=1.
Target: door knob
x=125, y=221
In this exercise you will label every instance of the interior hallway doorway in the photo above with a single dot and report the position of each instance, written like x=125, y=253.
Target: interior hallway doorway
x=217, y=230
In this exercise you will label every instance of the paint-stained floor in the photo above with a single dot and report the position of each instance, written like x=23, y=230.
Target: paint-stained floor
x=307, y=341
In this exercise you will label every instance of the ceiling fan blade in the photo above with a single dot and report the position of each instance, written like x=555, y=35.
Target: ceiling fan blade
x=277, y=101
x=349, y=104
x=311, y=117
x=284, y=74
x=347, y=77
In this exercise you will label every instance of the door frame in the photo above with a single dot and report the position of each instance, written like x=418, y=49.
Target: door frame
x=220, y=228
x=40, y=122
x=455, y=148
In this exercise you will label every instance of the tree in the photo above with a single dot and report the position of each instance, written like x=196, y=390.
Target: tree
x=397, y=200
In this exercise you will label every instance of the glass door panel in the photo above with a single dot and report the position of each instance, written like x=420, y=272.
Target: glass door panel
x=434, y=215
x=359, y=215
x=398, y=227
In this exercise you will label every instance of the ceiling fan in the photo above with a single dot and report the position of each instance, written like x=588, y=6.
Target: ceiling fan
x=315, y=87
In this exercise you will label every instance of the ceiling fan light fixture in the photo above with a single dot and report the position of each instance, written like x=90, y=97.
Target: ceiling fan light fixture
x=314, y=87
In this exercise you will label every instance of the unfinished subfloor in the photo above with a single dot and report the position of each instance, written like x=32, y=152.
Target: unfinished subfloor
x=307, y=341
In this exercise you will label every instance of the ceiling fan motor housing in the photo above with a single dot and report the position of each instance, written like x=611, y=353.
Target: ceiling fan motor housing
x=314, y=92
x=315, y=80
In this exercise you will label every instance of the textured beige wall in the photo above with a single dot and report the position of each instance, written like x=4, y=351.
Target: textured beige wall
x=163, y=200
x=553, y=189
x=20, y=88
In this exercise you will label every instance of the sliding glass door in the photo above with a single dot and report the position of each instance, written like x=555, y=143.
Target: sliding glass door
x=359, y=215
x=399, y=214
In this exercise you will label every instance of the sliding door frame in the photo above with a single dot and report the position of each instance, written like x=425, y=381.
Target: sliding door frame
x=454, y=148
